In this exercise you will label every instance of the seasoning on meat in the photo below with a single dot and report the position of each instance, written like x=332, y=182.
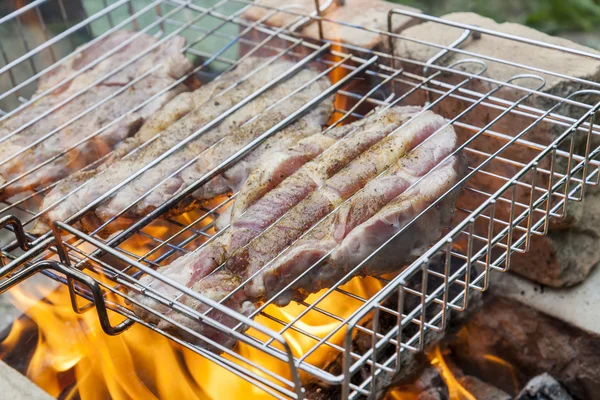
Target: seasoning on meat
x=154, y=186
x=78, y=190
x=31, y=149
x=354, y=139
x=371, y=196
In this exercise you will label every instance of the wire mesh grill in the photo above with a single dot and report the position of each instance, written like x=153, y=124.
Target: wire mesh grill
x=530, y=152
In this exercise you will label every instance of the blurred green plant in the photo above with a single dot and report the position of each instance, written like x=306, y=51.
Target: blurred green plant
x=565, y=15
x=551, y=16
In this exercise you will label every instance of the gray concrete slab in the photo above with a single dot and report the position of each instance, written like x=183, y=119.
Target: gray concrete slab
x=7, y=312
x=578, y=305
x=33, y=287
x=14, y=386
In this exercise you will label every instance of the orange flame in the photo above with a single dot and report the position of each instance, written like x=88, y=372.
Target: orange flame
x=119, y=367
x=340, y=102
x=506, y=367
x=456, y=391
x=142, y=364
x=396, y=394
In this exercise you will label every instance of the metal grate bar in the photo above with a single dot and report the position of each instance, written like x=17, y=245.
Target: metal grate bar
x=482, y=240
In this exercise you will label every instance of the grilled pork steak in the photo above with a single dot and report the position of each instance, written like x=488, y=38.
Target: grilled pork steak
x=250, y=259
x=399, y=213
x=347, y=245
x=130, y=202
x=278, y=201
x=362, y=241
x=384, y=199
x=95, y=108
x=267, y=205
x=344, y=233
x=77, y=185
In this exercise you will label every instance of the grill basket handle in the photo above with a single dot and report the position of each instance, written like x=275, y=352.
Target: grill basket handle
x=72, y=275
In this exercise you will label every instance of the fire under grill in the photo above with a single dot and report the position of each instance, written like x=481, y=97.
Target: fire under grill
x=519, y=180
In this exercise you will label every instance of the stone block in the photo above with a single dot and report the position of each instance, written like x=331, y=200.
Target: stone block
x=13, y=385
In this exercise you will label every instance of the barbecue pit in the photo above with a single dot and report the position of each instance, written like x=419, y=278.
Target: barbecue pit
x=518, y=183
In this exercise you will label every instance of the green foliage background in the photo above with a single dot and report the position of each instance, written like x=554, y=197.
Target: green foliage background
x=551, y=16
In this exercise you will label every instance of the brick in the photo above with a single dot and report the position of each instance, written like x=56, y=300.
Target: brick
x=370, y=14
x=279, y=19
x=491, y=46
x=366, y=13
x=533, y=342
x=553, y=260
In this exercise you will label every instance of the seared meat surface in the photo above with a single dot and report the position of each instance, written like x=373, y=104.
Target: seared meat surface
x=347, y=234
x=330, y=193
x=269, y=204
x=155, y=185
x=395, y=216
x=33, y=139
x=276, y=167
x=77, y=191
x=336, y=210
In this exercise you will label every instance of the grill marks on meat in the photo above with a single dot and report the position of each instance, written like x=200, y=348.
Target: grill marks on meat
x=221, y=141
x=198, y=265
x=345, y=232
x=174, y=65
x=250, y=259
x=314, y=174
x=81, y=186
